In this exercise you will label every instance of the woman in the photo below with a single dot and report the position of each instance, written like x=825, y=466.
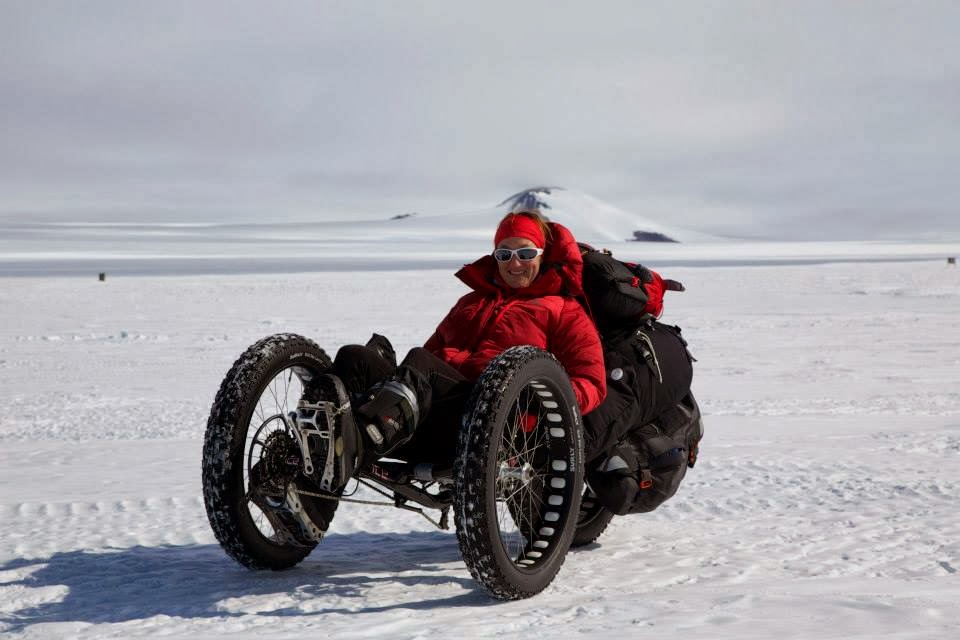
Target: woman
x=524, y=293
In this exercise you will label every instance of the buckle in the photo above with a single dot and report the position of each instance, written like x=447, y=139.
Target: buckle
x=646, y=479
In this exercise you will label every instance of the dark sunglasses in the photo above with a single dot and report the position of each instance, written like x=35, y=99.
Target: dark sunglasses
x=525, y=254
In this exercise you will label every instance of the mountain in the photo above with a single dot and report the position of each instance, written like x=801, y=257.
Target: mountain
x=590, y=219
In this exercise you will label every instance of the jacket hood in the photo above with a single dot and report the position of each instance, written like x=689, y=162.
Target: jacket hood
x=560, y=270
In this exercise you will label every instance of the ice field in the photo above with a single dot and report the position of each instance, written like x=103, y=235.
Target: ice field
x=825, y=504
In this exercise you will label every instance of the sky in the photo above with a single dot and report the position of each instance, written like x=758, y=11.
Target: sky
x=788, y=120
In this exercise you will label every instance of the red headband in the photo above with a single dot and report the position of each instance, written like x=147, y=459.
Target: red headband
x=520, y=226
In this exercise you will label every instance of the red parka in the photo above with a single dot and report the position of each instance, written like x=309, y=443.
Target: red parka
x=494, y=317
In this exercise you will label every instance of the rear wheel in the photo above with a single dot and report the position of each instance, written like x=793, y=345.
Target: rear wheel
x=592, y=520
x=252, y=463
x=518, y=477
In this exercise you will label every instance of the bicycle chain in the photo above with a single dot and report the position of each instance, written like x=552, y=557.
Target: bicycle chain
x=326, y=496
x=442, y=523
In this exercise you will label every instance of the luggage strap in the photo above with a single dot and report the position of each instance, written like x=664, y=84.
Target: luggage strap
x=649, y=354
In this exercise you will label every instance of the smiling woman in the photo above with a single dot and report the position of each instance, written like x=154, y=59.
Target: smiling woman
x=523, y=294
x=520, y=239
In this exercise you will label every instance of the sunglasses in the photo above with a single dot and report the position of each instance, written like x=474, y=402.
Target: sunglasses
x=525, y=254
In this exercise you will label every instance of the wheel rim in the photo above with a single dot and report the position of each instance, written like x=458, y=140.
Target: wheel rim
x=534, y=475
x=270, y=444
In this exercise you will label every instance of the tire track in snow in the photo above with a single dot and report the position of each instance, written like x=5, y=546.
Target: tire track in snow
x=38, y=529
x=733, y=518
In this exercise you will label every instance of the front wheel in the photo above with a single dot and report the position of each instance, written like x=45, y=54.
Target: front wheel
x=252, y=464
x=518, y=477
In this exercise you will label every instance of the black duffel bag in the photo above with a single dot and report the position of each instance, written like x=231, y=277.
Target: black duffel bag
x=648, y=464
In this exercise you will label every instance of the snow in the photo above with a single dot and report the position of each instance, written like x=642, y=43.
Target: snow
x=824, y=505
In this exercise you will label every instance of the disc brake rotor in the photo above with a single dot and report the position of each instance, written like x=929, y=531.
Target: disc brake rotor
x=279, y=464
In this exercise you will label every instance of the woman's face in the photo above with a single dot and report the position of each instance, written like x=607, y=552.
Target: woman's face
x=518, y=273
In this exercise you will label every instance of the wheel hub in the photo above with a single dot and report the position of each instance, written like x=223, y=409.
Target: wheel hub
x=515, y=476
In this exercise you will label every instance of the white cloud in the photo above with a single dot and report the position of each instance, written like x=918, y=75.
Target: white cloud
x=781, y=112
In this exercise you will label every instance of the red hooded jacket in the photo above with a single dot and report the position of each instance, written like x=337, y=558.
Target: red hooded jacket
x=494, y=317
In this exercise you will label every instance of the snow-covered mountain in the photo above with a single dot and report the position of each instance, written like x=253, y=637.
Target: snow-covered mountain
x=594, y=220
x=591, y=219
x=414, y=241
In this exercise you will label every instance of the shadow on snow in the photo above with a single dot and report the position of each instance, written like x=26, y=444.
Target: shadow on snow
x=195, y=581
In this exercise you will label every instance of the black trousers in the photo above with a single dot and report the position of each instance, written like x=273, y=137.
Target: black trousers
x=442, y=393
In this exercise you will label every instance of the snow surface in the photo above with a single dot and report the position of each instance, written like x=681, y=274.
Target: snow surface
x=825, y=504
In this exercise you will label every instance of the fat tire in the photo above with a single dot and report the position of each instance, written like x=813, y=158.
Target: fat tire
x=224, y=452
x=512, y=373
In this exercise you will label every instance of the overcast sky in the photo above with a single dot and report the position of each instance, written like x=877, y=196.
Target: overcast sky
x=777, y=119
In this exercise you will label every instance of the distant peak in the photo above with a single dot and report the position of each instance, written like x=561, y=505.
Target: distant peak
x=529, y=198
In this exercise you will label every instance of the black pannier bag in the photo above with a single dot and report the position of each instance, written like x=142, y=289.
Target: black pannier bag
x=650, y=425
x=647, y=466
